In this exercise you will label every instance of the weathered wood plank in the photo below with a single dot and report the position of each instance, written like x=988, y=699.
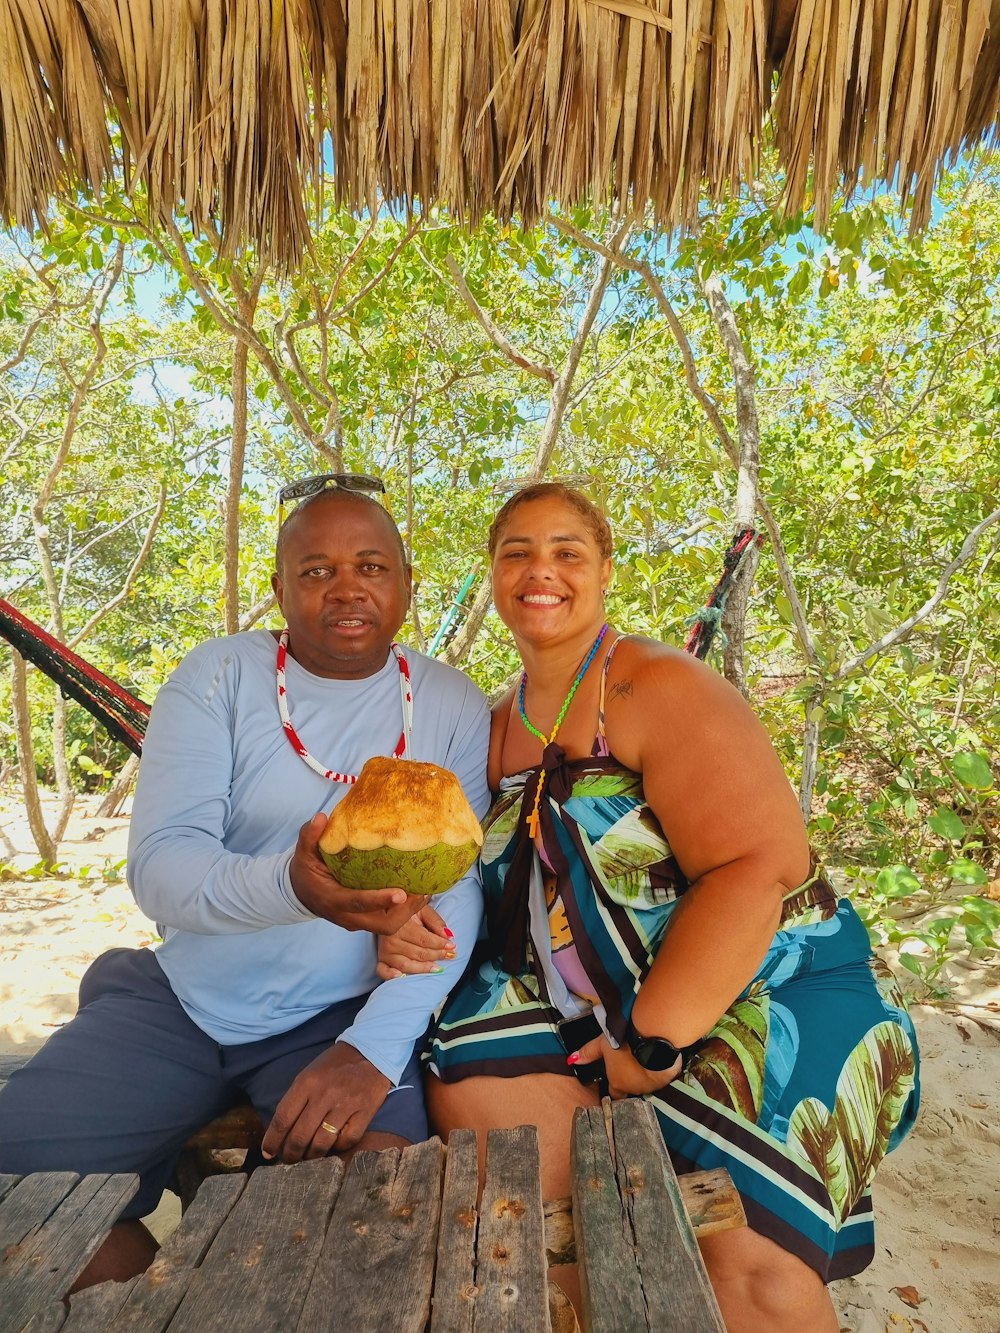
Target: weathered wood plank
x=44, y=1264
x=609, y=1287
x=711, y=1201
x=7, y=1183
x=156, y=1294
x=661, y=1283
x=560, y=1238
x=562, y=1314
x=27, y=1206
x=50, y=1319
x=257, y=1271
x=92, y=1310
x=376, y=1269
x=455, y=1290
x=674, y=1280
x=510, y=1249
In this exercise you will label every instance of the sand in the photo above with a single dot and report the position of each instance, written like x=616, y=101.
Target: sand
x=937, y=1199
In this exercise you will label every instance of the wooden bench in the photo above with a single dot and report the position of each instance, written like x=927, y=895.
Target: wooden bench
x=220, y=1148
x=399, y=1240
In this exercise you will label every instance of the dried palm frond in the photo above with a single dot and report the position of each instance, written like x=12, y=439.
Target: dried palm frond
x=230, y=110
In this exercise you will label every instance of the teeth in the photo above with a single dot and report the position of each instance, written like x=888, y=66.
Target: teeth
x=541, y=599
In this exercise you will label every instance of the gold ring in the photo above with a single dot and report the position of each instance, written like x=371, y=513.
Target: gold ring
x=330, y=1129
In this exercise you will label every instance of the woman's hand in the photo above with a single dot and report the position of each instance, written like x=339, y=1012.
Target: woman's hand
x=626, y=1076
x=422, y=944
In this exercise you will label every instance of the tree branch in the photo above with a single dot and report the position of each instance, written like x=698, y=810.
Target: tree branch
x=902, y=631
x=645, y=271
x=130, y=577
x=496, y=336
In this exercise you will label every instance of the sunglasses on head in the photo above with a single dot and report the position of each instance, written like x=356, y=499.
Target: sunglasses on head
x=357, y=482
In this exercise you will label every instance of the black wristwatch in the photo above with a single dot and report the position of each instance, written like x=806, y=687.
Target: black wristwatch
x=653, y=1053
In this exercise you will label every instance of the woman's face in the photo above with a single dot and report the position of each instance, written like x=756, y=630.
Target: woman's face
x=549, y=577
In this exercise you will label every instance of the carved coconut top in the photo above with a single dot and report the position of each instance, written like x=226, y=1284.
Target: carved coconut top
x=403, y=804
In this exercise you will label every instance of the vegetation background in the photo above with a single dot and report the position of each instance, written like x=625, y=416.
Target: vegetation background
x=841, y=391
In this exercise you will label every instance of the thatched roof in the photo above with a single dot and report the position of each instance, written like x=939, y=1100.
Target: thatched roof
x=497, y=105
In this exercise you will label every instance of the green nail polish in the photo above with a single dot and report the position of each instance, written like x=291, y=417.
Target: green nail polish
x=437, y=969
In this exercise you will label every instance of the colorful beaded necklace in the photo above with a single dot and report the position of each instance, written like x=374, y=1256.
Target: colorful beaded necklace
x=547, y=740
x=402, y=749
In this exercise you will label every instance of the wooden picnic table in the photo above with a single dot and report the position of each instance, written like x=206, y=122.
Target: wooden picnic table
x=396, y=1240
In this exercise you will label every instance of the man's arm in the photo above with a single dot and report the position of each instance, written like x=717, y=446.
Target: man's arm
x=348, y=1083
x=179, y=869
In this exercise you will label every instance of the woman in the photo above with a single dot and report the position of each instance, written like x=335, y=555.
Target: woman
x=645, y=863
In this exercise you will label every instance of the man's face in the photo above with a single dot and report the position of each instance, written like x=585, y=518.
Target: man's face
x=342, y=586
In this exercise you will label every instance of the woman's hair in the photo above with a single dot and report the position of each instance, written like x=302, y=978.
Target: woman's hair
x=554, y=490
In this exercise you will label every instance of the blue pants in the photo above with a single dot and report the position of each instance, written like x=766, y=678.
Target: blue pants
x=125, y=1084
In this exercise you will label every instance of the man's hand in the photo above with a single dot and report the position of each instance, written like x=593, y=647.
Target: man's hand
x=381, y=911
x=329, y=1106
x=626, y=1076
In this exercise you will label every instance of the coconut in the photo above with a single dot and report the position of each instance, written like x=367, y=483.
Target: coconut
x=403, y=824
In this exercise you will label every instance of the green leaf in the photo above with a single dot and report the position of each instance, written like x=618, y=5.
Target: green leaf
x=964, y=871
x=947, y=824
x=983, y=909
x=896, y=881
x=972, y=770
x=978, y=935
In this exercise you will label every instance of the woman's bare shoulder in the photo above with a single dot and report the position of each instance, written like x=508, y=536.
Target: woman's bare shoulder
x=648, y=665
x=654, y=687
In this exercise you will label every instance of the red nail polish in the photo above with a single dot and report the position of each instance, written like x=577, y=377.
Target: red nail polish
x=572, y=1059
x=450, y=934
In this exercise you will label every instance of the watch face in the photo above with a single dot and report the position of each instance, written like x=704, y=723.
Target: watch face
x=653, y=1053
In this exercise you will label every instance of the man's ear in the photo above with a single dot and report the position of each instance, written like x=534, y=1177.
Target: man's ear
x=277, y=588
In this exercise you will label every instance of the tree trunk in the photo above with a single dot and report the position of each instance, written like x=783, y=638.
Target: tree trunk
x=26, y=760
x=119, y=789
x=64, y=781
x=748, y=432
x=234, y=489
x=810, y=761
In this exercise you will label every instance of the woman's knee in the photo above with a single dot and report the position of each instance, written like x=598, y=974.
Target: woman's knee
x=547, y=1101
x=755, y=1275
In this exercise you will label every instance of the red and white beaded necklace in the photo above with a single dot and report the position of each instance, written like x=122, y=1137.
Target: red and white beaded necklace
x=402, y=749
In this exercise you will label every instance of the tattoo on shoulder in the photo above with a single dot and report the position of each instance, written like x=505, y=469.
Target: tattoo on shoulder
x=621, y=689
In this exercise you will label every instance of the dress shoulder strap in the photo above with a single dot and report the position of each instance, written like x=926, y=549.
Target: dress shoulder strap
x=602, y=746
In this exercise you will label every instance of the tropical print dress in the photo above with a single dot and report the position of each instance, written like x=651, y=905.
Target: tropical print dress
x=798, y=1091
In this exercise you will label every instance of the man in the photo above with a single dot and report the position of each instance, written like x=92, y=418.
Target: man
x=265, y=984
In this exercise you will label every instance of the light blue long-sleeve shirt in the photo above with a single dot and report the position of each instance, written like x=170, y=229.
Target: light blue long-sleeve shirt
x=218, y=806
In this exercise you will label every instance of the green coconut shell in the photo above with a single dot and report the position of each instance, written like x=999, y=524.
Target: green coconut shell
x=432, y=870
x=403, y=824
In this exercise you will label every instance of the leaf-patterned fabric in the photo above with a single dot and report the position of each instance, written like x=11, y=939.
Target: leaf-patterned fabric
x=798, y=1091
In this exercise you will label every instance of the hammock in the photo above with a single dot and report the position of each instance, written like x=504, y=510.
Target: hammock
x=124, y=716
